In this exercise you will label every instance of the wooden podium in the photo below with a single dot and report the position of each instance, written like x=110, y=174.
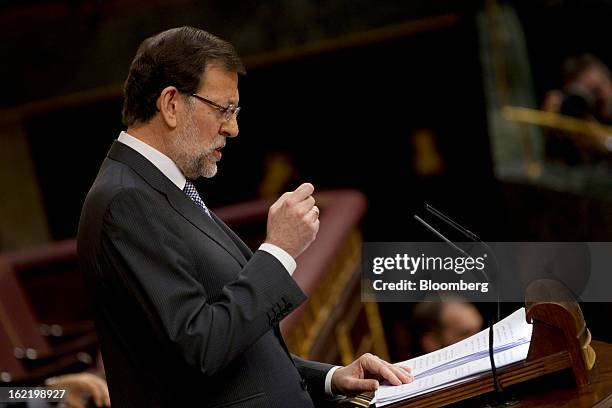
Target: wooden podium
x=563, y=367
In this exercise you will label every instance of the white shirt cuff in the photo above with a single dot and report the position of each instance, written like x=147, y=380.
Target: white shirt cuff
x=282, y=256
x=328, y=378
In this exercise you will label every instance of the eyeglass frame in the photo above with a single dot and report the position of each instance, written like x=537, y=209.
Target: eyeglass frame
x=228, y=111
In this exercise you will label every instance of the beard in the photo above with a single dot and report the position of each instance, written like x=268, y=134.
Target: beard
x=193, y=160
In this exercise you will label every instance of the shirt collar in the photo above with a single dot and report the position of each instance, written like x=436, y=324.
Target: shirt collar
x=157, y=158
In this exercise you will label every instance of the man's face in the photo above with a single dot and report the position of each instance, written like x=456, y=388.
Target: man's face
x=201, y=132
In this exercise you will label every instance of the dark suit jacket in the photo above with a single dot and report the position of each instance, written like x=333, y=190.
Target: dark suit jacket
x=186, y=314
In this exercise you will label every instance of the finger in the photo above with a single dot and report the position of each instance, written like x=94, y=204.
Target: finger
x=96, y=393
x=304, y=210
x=408, y=372
x=405, y=368
x=389, y=375
x=101, y=389
x=107, y=402
x=305, y=205
x=400, y=373
x=284, y=196
x=303, y=191
x=314, y=213
x=280, y=200
x=374, y=365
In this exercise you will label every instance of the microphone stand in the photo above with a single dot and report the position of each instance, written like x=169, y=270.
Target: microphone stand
x=470, y=235
x=500, y=399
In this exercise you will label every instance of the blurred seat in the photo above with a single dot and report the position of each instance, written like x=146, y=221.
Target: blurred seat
x=55, y=290
x=26, y=356
x=14, y=370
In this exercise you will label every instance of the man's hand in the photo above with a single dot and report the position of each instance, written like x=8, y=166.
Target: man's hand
x=80, y=386
x=293, y=220
x=365, y=373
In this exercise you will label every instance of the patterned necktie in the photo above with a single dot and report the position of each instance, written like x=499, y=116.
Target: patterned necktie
x=192, y=193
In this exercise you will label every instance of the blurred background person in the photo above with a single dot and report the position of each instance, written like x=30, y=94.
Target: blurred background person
x=586, y=95
x=587, y=89
x=434, y=325
x=83, y=390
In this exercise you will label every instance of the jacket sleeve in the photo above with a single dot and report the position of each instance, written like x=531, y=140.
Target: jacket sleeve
x=314, y=373
x=149, y=259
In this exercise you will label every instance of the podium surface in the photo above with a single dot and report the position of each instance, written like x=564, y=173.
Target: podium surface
x=553, y=390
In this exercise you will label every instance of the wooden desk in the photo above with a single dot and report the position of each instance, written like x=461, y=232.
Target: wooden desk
x=563, y=368
x=559, y=390
x=552, y=390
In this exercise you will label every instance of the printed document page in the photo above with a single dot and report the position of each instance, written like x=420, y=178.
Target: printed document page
x=463, y=360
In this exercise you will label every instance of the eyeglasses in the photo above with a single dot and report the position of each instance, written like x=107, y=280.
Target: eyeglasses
x=227, y=112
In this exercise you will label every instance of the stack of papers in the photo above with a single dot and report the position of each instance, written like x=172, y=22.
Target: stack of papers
x=462, y=361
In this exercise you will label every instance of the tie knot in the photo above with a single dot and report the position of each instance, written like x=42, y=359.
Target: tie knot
x=191, y=192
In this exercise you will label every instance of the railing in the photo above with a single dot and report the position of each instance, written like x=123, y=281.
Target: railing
x=553, y=120
x=583, y=131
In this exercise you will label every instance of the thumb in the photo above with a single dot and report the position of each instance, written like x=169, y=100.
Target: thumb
x=361, y=385
x=303, y=191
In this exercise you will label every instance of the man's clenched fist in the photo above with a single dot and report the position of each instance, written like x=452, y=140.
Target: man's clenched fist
x=293, y=220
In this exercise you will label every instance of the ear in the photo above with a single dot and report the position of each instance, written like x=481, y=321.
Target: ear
x=168, y=105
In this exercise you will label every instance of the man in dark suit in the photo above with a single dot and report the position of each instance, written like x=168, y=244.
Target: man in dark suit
x=187, y=315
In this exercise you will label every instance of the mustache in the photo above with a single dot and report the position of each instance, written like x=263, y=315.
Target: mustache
x=211, y=149
x=220, y=143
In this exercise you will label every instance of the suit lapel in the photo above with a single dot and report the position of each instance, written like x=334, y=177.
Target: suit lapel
x=178, y=200
x=192, y=213
x=246, y=251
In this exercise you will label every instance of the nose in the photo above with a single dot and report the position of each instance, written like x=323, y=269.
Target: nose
x=230, y=128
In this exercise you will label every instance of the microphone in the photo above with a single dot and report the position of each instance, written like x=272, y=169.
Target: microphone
x=439, y=234
x=452, y=223
x=470, y=235
x=456, y=247
x=501, y=398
